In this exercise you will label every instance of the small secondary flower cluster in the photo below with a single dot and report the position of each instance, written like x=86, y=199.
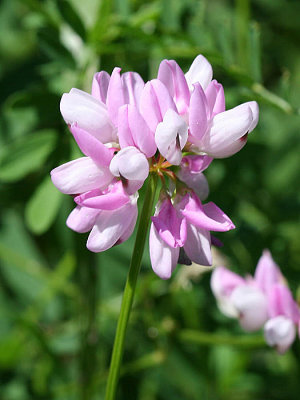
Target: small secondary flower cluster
x=262, y=300
x=172, y=126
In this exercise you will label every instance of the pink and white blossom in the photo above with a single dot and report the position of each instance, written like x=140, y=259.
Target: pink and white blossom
x=176, y=225
x=172, y=126
x=261, y=301
x=213, y=130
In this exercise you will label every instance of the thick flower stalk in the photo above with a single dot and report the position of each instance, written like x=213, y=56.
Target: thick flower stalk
x=172, y=126
x=260, y=301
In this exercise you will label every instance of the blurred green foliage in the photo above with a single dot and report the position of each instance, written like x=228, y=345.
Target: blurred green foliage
x=59, y=303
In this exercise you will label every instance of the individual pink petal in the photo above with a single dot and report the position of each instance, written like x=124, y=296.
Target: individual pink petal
x=115, y=95
x=130, y=163
x=82, y=219
x=170, y=227
x=128, y=232
x=198, y=114
x=200, y=71
x=163, y=257
x=267, y=272
x=91, y=147
x=196, y=163
x=133, y=86
x=255, y=113
x=109, y=199
x=166, y=72
x=280, y=333
x=197, y=245
x=215, y=213
x=133, y=131
x=227, y=128
x=215, y=98
x=100, y=85
x=251, y=304
x=132, y=186
x=80, y=175
x=125, y=89
x=110, y=226
x=281, y=302
x=228, y=150
x=89, y=113
x=124, y=129
x=195, y=181
x=173, y=78
x=171, y=136
x=207, y=216
x=154, y=102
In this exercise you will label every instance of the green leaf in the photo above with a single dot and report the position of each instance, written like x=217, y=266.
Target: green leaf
x=71, y=17
x=43, y=206
x=50, y=43
x=66, y=340
x=26, y=155
x=11, y=349
x=26, y=277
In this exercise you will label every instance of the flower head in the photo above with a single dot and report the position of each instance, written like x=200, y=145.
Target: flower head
x=261, y=301
x=172, y=126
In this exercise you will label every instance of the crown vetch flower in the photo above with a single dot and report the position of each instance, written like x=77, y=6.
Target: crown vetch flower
x=185, y=224
x=213, y=130
x=172, y=126
x=263, y=300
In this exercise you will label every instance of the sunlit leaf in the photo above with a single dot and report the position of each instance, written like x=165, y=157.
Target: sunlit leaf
x=26, y=155
x=71, y=17
x=43, y=206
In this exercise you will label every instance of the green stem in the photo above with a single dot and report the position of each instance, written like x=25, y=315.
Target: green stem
x=203, y=338
x=129, y=290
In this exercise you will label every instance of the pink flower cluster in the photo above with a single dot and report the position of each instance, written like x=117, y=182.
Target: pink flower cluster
x=172, y=126
x=260, y=301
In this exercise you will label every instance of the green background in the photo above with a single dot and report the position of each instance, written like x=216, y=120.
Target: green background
x=59, y=303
